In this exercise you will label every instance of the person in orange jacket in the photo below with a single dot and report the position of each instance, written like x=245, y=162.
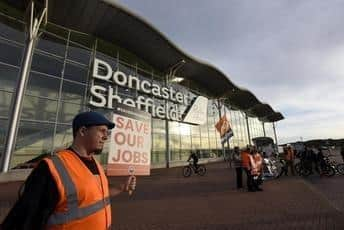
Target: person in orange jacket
x=290, y=157
x=257, y=169
x=70, y=190
x=247, y=166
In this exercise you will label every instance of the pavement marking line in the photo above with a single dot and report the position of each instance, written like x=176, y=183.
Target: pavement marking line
x=322, y=195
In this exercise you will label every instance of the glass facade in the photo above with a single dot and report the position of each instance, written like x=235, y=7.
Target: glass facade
x=59, y=87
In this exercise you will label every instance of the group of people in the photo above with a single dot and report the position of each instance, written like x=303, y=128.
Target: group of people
x=250, y=161
x=313, y=159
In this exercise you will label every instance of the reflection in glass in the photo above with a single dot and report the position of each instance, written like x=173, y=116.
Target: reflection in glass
x=72, y=92
x=33, y=139
x=10, y=53
x=158, y=126
x=5, y=103
x=174, y=143
x=75, y=73
x=81, y=38
x=3, y=133
x=47, y=64
x=78, y=53
x=52, y=44
x=41, y=85
x=63, y=137
x=11, y=29
x=67, y=112
x=39, y=109
x=158, y=148
x=8, y=77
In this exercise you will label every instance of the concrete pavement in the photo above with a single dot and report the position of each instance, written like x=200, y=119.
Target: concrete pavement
x=166, y=200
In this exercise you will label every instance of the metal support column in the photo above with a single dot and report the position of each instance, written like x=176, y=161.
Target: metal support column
x=33, y=27
x=248, y=129
x=171, y=72
x=276, y=143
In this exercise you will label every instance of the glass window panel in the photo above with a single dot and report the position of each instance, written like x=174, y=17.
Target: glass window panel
x=196, y=143
x=81, y=38
x=47, y=64
x=195, y=130
x=63, y=137
x=41, y=85
x=3, y=133
x=57, y=30
x=33, y=139
x=159, y=142
x=39, y=109
x=73, y=92
x=8, y=77
x=52, y=44
x=158, y=148
x=11, y=29
x=205, y=143
x=184, y=129
x=186, y=146
x=212, y=143
x=173, y=127
x=78, y=53
x=5, y=103
x=159, y=126
x=75, y=73
x=158, y=157
x=174, y=144
x=67, y=112
x=10, y=53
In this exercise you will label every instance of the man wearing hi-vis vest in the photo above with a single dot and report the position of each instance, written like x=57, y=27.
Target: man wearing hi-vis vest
x=70, y=190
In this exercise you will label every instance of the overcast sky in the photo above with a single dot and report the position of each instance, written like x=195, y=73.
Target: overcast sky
x=290, y=54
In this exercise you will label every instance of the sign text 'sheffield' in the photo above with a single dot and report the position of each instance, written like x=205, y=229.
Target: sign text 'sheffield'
x=102, y=96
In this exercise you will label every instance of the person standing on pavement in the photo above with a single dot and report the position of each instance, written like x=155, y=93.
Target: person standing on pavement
x=246, y=165
x=256, y=169
x=290, y=157
x=69, y=190
x=238, y=167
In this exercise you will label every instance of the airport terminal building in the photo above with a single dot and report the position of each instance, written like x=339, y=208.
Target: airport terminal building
x=61, y=57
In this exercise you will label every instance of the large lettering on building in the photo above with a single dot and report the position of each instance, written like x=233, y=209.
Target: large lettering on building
x=105, y=95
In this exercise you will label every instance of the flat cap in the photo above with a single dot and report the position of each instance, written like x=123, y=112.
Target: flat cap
x=91, y=118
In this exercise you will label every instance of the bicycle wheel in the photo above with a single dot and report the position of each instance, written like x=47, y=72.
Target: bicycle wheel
x=340, y=168
x=304, y=172
x=201, y=170
x=297, y=167
x=187, y=171
x=329, y=171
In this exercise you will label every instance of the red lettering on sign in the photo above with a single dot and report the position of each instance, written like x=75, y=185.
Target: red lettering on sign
x=119, y=122
x=129, y=139
x=128, y=156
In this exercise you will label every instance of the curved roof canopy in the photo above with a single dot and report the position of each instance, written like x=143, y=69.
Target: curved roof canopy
x=111, y=22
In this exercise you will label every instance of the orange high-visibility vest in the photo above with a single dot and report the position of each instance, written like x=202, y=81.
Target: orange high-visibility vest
x=258, y=161
x=245, y=160
x=290, y=155
x=84, y=201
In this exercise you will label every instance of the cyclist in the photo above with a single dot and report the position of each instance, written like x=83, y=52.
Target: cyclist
x=194, y=157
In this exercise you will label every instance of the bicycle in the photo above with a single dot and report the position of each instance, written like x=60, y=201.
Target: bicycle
x=302, y=169
x=337, y=167
x=340, y=168
x=187, y=170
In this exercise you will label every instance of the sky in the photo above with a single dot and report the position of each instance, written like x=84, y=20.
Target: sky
x=289, y=54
